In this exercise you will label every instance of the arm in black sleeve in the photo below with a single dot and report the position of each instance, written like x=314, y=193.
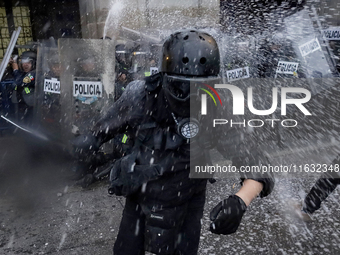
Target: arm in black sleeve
x=17, y=78
x=126, y=113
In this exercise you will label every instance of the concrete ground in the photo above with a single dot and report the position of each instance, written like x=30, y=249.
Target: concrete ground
x=41, y=212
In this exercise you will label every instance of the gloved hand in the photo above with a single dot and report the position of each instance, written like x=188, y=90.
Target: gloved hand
x=227, y=215
x=126, y=177
x=85, y=145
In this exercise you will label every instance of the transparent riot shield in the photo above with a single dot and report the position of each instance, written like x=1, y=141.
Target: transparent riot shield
x=311, y=50
x=238, y=57
x=287, y=95
x=47, y=93
x=86, y=83
x=315, y=137
x=145, y=60
x=146, y=54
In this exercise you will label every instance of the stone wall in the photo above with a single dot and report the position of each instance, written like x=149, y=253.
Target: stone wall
x=141, y=15
x=145, y=14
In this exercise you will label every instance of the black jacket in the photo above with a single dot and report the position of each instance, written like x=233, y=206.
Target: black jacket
x=24, y=84
x=142, y=112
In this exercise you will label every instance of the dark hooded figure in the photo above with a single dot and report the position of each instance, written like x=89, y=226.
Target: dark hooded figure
x=164, y=206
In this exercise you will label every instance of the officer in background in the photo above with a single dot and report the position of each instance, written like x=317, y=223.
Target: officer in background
x=51, y=104
x=277, y=47
x=335, y=48
x=164, y=207
x=123, y=69
x=96, y=166
x=122, y=142
x=54, y=66
x=24, y=85
x=151, y=66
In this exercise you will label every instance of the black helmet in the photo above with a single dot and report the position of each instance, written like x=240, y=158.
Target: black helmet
x=191, y=53
x=27, y=56
x=54, y=64
x=123, y=55
x=190, y=59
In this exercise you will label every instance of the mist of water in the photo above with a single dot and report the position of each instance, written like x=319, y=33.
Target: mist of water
x=114, y=16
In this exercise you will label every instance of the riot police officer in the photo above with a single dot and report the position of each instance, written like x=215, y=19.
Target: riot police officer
x=276, y=48
x=123, y=68
x=164, y=206
x=24, y=84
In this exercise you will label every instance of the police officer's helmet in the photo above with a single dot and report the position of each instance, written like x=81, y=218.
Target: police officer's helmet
x=123, y=55
x=191, y=53
x=29, y=56
x=54, y=64
x=189, y=58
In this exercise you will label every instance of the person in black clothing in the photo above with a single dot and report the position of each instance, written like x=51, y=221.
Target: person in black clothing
x=164, y=206
x=123, y=69
x=24, y=85
x=275, y=49
x=323, y=187
x=335, y=48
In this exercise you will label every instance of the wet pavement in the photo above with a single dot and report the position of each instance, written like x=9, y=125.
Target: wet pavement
x=41, y=212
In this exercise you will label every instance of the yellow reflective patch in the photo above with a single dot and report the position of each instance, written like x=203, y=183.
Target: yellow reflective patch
x=125, y=137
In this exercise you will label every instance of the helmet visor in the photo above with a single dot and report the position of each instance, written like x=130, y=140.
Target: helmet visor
x=182, y=88
x=26, y=60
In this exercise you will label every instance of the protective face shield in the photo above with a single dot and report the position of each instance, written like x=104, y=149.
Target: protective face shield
x=190, y=58
x=183, y=94
x=138, y=60
x=88, y=64
x=123, y=55
x=25, y=58
x=54, y=65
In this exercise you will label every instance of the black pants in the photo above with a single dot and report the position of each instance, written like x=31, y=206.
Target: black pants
x=182, y=194
x=320, y=191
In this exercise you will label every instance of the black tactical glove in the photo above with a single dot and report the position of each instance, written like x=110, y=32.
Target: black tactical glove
x=227, y=215
x=126, y=177
x=85, y=145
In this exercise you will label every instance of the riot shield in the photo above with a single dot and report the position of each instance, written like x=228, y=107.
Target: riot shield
x=145, y=61
x=238, y=57
x=87, y=78
x=261, y=109
x=47, y=93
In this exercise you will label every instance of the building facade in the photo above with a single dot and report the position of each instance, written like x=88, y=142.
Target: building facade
x=94, y=19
